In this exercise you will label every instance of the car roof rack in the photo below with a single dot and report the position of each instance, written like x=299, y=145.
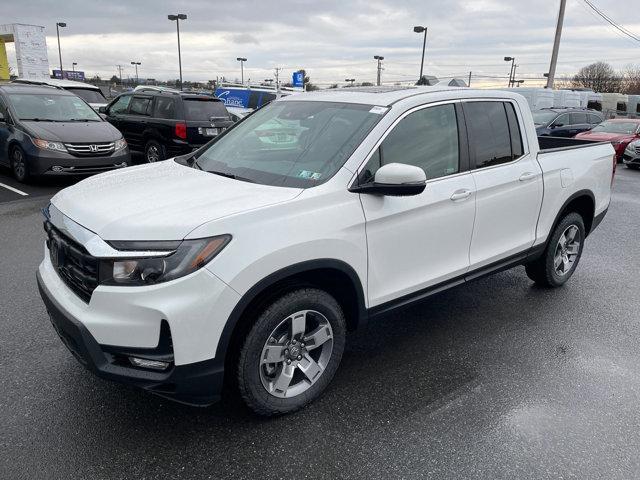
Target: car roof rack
x=154, y=88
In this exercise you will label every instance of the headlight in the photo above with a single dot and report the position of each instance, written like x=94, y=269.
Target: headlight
x=120, y=144
x=49, y=145
x=189, y=256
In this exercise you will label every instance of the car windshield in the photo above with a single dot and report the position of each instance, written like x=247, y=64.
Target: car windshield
x=294, y=144
x=52, y=108
x=617, y=127
x=88, y=95
x=204, y=109
x=542, y=118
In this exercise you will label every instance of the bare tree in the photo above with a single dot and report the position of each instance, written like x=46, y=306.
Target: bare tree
x=631, y=80
x=599, y=77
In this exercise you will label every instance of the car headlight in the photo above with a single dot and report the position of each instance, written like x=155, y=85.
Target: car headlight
x=120, y=144
x=187, y=257
x=49, y=145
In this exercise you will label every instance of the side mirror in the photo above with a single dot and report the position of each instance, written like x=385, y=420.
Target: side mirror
x=102, y=110
x=395, y=179
x=557, y=125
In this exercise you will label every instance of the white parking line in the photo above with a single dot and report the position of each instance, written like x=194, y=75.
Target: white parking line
x=19, y=192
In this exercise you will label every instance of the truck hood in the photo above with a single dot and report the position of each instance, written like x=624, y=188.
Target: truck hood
x=72, y=132
x=161, y=201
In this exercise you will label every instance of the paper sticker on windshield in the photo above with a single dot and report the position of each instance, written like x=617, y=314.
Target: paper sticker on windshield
x=309, y=175
x=378, y=110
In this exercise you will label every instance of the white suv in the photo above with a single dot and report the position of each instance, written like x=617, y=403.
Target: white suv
x=251, y=258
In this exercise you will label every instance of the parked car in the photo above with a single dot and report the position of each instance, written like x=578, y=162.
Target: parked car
x=565, y=122
x=48, y=131
x=252, y=257
x=163, y=123
x=619, y=131
x=631, y=155
x=89, y=93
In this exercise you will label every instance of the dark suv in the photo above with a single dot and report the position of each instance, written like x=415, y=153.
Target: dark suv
x=49, y=131
x=164, y=123
x=565, y=122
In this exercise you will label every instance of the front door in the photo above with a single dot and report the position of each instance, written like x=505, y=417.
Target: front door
x=419, y=241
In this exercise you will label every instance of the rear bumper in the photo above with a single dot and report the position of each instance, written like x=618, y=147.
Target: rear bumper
x=195, y=384
x=43, y=162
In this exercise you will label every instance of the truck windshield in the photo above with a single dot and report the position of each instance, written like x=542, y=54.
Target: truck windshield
x=52, y=108
x=292, y=143
x=204, y=109
x=88, y=95
x=617, y=127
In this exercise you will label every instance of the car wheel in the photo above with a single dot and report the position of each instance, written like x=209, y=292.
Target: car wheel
x=562, y=254
x=19, y=164
x=154, y=151
x=292, y=352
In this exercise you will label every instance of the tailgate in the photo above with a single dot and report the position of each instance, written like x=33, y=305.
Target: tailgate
x=206, y=118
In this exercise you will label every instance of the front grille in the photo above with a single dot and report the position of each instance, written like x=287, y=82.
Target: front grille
x=90, y=149
x=75, y=266
x=637, y=147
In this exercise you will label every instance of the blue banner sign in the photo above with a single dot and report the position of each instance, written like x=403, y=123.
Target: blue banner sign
x=298, y=79
x=233, y=97
x=76, y=75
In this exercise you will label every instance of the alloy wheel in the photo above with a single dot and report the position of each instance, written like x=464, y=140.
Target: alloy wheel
x=153, y=154
x=567, y=250
x=296, y=354
x=19, y=166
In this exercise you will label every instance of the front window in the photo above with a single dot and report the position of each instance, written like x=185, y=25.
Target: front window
x=628, y=128
x=52, y=108
x=293, y=144
x=88, y=95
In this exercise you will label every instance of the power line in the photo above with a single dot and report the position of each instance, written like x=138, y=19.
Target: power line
x=610, y=21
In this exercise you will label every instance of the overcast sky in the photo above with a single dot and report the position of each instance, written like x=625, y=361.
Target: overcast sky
x=332, y=39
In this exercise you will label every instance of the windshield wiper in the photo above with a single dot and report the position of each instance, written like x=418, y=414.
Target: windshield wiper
x=81, y=120
x=39, y=120
x=229, y=175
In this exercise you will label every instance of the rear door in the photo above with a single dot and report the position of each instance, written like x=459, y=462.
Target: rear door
x=206, y=117
x=579, y=123
x=136, y=119
x=508, y=181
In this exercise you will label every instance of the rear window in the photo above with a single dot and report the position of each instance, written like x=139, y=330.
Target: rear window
x=165, y=108
x=578, y=118
x=88, y=95
x=204, y=109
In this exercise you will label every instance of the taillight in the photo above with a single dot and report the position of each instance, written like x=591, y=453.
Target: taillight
x=615, y=165
x=181, y=130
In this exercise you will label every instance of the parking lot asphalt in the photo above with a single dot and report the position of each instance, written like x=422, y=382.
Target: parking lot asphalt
x=493, y=379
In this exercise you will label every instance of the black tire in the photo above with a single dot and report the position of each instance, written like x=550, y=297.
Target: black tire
x=154, y=151
x=543, y=270
x=19, y=164
x=249, y=373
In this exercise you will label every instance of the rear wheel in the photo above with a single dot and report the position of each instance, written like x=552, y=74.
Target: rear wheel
x=562, y=254
x=19, y=164
x=154, y=151
x=292, y=352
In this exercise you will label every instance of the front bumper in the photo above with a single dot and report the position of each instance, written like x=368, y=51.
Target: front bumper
x=631, y=160
x=45, y=162
x=195, y=384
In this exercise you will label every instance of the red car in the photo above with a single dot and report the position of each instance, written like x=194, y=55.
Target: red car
x=619, y=131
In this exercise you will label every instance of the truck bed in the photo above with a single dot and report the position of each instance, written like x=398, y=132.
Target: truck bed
x=562, y=143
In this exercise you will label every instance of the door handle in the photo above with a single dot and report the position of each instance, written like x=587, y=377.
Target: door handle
x=527, y=176
x=460, y=195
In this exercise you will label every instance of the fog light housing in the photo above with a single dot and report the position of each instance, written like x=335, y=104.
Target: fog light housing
x=146, y=363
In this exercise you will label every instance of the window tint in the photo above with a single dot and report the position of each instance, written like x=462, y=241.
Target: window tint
x=254, y=99
x=563, y=120
x=165, y=108
x=578, y=118
x=140, y=106
x=594, y=119
x=517, y=149
x=204, y=109
x=489, y=133
x=120, y=106
x=427, y=139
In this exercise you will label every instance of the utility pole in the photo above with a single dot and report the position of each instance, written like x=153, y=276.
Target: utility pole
x=120, y=72
x=556, y=45
x=469, y=84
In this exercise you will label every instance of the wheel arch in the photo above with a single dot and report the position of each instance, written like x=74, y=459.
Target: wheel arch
x=334, y=276
x=582, y=202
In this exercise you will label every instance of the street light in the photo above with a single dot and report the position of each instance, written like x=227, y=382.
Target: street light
x=350, y=80
x=419, y=29
x=60, y=25
x=136, y=65
x=379, y=59
x=241, y=60
x=73, y=66
x=177, y=18
x=512, y=73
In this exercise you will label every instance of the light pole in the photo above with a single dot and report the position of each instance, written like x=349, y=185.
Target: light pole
x=350, y=80
x=419, y=29
x=73, y=66
x=512, y=72
x=177, y=18
x=241, y=60
x=379, y=59
x=136, y=65
x=60, y=25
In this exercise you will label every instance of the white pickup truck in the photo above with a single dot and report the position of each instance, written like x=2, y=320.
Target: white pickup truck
x=249, y=260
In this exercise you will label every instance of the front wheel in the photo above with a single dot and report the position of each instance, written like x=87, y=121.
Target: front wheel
x=562, y=254
x=19, y=165
x=292, y=352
